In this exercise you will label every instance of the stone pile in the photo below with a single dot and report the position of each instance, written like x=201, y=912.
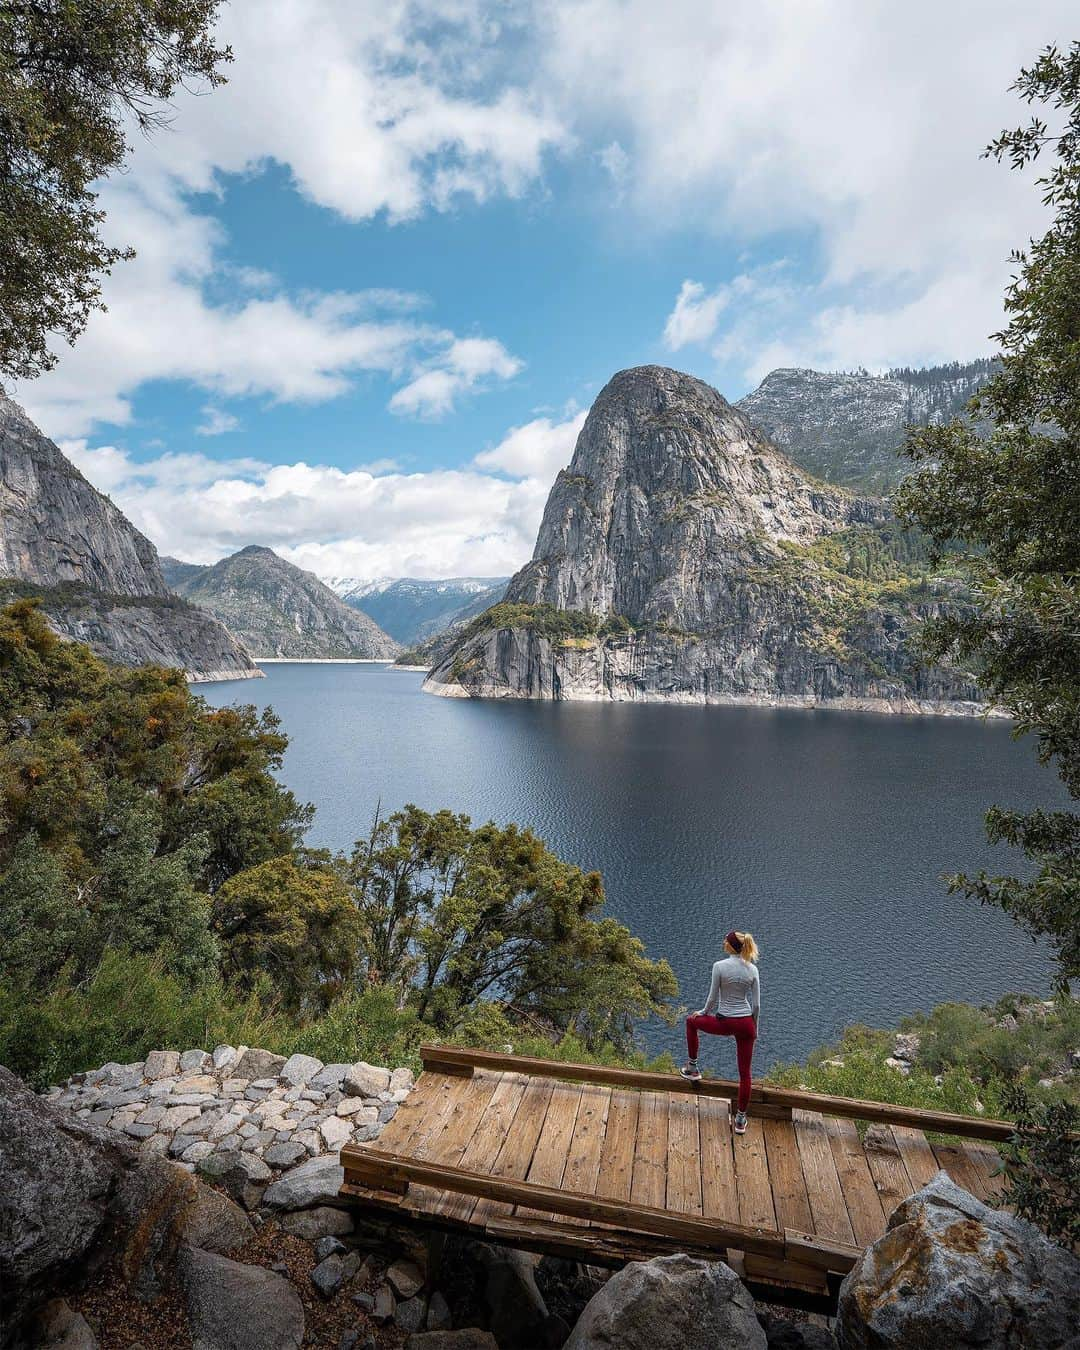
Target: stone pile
x=192, y=1105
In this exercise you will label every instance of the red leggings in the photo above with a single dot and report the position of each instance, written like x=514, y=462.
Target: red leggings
x=744, y=1029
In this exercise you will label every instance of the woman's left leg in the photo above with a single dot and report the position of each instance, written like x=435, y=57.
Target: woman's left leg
x=745, y=1037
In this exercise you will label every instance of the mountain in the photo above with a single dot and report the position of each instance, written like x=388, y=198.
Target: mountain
x=177, y=574
x=99, y=579
x=848, y=428
x=280, y=610
x=683, y=557
x=412, y=611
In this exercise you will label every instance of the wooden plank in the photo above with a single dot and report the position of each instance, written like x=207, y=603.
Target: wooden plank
x=616, y=1173
x=553, y=1145
x=516, y=1154
x=410, y=1115
x=649, y=1184
x=459, y=1124
x=887, y=1168
x=752, y=1177
x=719, y=1194
x=922, y=1166
x=684, y=1157
x=824, y=1191
x=962, y=1170
x=988, y=1162
x=765, y=1100
x=863, y=1203
x=373, y=1165
x=786, y=1176
x=483, y=1148
x=583, y=1158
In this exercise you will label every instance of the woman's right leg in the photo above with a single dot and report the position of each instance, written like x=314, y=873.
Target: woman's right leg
x=700, y=1022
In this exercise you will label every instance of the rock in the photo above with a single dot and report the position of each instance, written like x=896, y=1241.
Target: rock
x=59, y=1178
x=402, y=1079
x=62, y=1328
x=328, y=1246
x=202, y=1148
x=898, y=1066
x=161, y=1064
x=258, y=1064
x=299, y=1069
x=466, y=1338
x=316, y=1182
x=438, y=1313
x=322, y=1221
x=411, y=1315
x=365, y=1080
x=906, y=1046
x=950, y=1271
x=329, y=1275
x=405, y=1277
x=671, y=1303
x=385, y=1303
x=242, y=1174
x=284, y=1154
x=330, y=1077
x=223, y=1056
x=335, y=1131
x=515, y=1310
x=688, y=550
x=216, y=1223
x=236, y=1307
x=354, y=1109
x=194, y=1061
x=782, y=1334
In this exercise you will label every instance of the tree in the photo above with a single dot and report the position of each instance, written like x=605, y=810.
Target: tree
x=72, y=72
x=453, y=915
x=295, y=926
x=1010, y=504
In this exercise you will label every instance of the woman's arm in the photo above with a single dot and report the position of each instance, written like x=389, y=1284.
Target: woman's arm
x=755, y=995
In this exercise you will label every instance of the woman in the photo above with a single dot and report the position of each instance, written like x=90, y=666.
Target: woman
x=731, y=1010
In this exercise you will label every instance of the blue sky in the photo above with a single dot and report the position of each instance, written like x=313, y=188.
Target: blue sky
x=383, y=272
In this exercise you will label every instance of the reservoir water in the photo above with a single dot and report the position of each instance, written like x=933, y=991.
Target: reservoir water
x=826, y=834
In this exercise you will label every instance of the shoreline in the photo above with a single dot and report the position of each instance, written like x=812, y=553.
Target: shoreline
x=324, y=660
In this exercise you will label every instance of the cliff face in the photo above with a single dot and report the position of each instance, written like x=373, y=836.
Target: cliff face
x=848, y=428
x=99, y=578
x=683, y=557
x=278, y=610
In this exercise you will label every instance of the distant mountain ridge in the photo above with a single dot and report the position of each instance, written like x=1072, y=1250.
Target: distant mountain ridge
x=682, y=557
x=413, y=610
x=278, y=609
x=847, y=427
x=99, y=579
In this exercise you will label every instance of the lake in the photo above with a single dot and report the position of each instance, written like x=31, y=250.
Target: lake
x=824, y=833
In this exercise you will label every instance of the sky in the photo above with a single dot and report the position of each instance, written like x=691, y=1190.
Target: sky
x=382, y=273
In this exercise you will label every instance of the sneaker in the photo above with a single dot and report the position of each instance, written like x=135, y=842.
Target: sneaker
x=690, y=1070
x=740, y=1122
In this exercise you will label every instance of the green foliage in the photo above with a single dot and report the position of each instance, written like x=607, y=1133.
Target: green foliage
x=545, y=620
x=1042, y=1166
x=69, y=74
x=298, y=925
x=1011, y=502
x=453, y=914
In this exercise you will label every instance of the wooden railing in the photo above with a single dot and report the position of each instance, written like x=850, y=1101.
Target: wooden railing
x=766, y=1101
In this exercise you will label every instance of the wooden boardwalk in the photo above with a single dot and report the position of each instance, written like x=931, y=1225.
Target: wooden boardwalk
x=611, y=1165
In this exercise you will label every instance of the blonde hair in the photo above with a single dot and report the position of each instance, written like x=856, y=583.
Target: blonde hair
x=749, y=951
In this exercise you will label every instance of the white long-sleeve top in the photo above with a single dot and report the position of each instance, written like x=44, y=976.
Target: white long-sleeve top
x=735, y=990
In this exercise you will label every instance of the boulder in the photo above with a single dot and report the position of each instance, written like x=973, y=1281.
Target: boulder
x=411, y=1315
x=513, y=1306
x=316, y=1182
x=365, y=1080
x=783, y=1334
x=671, y=1303
x=257, y=1064
x=405, y=1277
x=195, y=1061
x=59, y=1178
x=215, y=1223
x=60, y=1327
x=243, y=1175
x=299, y=1069
x=950, y=1271
x=223, y=1056
x=236, y=1307
x=161, y=1064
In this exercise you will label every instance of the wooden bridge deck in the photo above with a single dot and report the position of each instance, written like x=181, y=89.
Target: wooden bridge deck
x=608, y=1165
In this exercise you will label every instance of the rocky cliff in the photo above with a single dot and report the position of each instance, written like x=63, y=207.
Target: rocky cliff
x=848, y=427
x=99, y=579
x=682, y=557
x=278, y=610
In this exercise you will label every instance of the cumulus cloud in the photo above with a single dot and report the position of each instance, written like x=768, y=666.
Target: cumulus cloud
x=216, y=422
x=367, y=522
x=695, y=316
x=463, y=366
x=538, y=449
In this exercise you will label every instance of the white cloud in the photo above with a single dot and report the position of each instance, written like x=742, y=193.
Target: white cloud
x=216, y=422
x=367, y=522
x=538, y=449
x=695, y=316
x=462, y=367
